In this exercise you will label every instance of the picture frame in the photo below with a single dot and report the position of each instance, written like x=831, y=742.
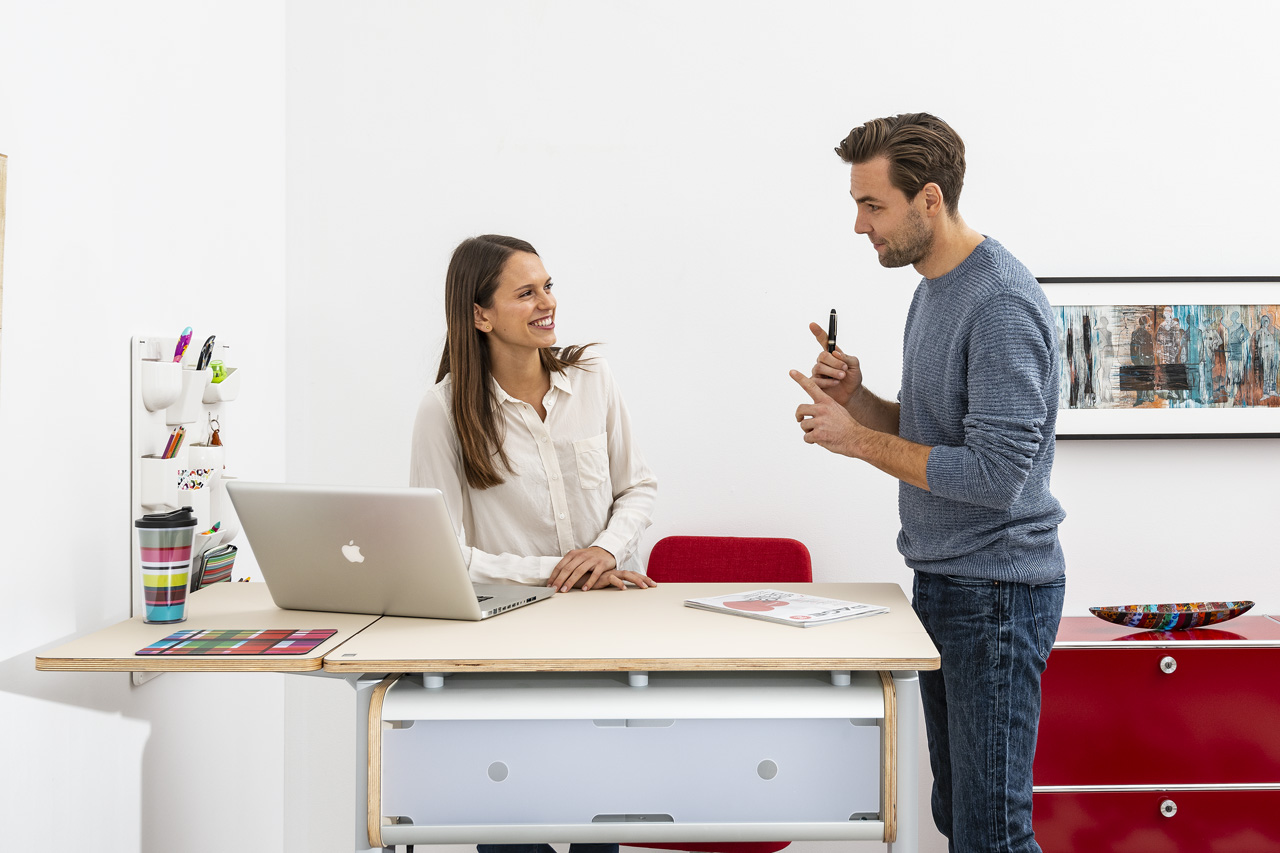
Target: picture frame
x=1178, y=364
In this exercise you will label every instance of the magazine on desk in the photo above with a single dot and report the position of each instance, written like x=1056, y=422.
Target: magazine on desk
x=789, y=608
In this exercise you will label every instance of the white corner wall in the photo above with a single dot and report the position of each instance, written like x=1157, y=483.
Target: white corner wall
x=673, y=164
x=146, y=192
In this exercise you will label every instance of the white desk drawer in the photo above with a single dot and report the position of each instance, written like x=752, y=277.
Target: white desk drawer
x=686, y=771
x=493, y=758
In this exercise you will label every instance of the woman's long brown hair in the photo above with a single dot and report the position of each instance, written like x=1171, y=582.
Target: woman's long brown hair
x=471, y=280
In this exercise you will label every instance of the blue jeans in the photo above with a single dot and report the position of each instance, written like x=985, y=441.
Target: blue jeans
x=982, y=708
x=545, y=848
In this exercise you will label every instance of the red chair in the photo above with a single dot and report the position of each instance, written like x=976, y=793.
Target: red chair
x=728, y=559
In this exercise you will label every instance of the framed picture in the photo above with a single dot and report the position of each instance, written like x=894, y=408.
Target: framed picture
x=1167, y=357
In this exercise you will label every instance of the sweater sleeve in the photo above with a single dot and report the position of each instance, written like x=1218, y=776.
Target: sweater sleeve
x=1009, y=358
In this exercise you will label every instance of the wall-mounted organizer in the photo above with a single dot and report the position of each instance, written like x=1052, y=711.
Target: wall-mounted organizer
x=174, y=401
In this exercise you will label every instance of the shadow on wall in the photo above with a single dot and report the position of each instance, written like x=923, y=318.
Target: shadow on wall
x=73, y=760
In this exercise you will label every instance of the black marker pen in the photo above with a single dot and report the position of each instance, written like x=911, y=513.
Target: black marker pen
x=831, y=332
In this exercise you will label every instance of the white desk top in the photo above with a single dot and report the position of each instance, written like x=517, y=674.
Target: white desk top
x=601, y=630
x=223, y=605
x=645, y=629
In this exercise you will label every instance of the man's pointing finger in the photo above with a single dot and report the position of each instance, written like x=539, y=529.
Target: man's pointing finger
x=811, y=388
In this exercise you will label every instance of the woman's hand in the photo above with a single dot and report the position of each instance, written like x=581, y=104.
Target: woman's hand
x=592, y=568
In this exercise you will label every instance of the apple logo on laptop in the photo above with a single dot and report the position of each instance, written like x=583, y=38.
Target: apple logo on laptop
x=352, y=552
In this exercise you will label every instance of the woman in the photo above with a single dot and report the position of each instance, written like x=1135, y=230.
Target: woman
x=531, y=446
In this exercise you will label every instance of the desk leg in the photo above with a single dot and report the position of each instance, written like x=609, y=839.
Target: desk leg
x=907, y=687
x=364, y=686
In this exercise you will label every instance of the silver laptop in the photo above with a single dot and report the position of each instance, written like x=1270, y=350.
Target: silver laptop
x=352, y=549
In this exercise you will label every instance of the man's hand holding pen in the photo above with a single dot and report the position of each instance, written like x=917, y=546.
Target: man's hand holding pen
x=837, y=374
x=835, y=378
x=837, y=392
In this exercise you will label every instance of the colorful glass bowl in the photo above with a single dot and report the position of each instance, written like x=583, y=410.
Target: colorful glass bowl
x=1172, y=617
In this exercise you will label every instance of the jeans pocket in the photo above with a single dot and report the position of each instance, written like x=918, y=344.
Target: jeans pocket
x=1046, y=612
x=959, y=580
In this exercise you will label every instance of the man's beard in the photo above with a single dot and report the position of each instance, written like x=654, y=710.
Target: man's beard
x=913, y=242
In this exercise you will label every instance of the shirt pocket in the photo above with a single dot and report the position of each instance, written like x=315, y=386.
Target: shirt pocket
x=592, y=456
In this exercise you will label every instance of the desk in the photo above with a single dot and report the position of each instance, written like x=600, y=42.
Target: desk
x=623, y=667
x=646, y=630
x=224, y=605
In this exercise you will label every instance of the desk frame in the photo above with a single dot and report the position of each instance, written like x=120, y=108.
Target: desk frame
x=621, y=626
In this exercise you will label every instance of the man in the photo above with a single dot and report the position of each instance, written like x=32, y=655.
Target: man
x=971, y=437
x=1142, y=354
x=1171, y=356
x=1268, y=355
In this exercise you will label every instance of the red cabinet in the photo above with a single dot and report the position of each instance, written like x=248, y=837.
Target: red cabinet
x=1197, y=821
x=1163, y=741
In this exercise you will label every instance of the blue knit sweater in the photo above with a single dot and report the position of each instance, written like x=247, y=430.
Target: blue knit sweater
x=980, y=385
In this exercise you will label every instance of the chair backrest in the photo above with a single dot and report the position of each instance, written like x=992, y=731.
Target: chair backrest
x=729, y=559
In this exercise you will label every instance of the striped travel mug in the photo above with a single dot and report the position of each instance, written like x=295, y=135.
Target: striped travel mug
x=164, y=540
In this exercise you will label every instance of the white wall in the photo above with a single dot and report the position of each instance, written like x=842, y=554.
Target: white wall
x=146, y=192
x=673, y=164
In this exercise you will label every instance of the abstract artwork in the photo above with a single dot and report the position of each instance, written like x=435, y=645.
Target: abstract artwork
x=1168, y=356
x=1172, y=366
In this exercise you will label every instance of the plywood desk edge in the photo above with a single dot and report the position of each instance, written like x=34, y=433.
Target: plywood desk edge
x=629, y=664
x=180, y=663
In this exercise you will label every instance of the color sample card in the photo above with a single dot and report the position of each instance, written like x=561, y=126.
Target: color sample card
x=273, y=641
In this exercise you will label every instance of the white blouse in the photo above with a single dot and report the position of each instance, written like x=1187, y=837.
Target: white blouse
x=577, y=478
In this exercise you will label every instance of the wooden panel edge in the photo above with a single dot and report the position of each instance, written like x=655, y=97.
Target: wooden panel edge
x=175, y=664
x=889, y=760
x=636, y=664
x=374, y=769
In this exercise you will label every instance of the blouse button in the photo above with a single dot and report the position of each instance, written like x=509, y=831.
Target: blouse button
x=562, y=515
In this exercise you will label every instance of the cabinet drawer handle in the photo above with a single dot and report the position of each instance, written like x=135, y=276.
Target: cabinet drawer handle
x=1168, y=808
x=1168, y=664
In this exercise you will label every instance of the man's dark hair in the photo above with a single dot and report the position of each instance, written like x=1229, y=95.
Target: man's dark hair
x=921, y=149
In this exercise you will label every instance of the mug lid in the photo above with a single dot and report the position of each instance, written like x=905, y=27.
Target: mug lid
x=185, y=517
